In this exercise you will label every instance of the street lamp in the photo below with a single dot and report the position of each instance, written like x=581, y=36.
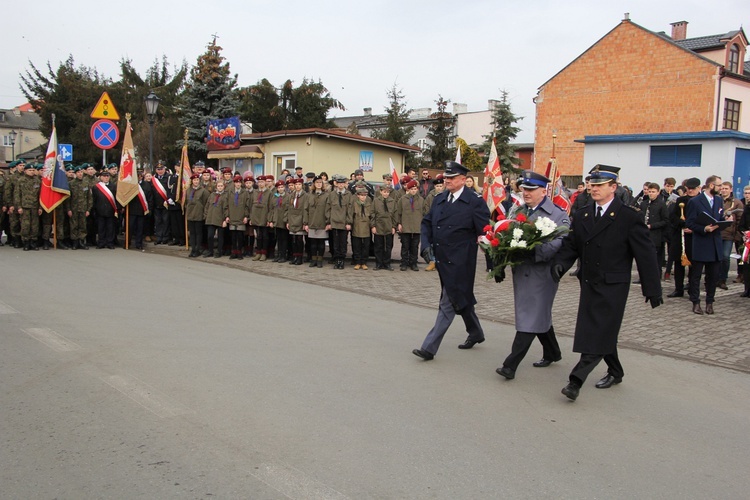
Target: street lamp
x=152, y=104
x=13, y=134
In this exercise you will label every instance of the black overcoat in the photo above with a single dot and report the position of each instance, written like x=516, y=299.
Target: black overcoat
x=707, y=247
x=452, y=229
x=607, y=250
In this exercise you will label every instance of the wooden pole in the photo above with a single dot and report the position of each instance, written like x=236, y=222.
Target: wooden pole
x=127, y=226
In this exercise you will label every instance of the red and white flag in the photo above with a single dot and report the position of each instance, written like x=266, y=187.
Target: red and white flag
x=127, y=177
x=55, y=188
x=493, y=189
x=395, y=184
x=555, y=190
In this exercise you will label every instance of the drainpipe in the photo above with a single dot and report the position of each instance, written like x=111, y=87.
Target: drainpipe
x=722, y=72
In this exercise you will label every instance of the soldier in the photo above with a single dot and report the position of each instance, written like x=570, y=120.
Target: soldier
x=79, y=208
x=26, y=202
x=260, y=216
x=90, y=178
x=11, y=186
x=383, y=227
x=195, y=205
x=339, y=212
x=296, y=220
x=3, y=204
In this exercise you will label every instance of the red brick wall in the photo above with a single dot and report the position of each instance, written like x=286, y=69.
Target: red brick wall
x=630, y=82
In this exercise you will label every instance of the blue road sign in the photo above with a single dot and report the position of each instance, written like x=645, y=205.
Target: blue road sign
x=65, y=151
x=105, y=134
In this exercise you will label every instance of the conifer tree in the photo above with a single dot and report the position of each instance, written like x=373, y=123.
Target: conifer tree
x=210, y=94
x=505, y=130
x=441, y=134
x=397, y=114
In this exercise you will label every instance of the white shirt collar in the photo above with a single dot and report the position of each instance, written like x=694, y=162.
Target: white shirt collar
x=605, y=206
x=457, y=193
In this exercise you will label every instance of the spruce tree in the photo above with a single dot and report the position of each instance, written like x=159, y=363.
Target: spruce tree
x=504, y=129
x=210, y=94
x=441, y=134
x=397, y=114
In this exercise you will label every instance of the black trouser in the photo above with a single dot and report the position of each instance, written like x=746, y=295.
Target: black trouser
x=238, y=239
x=712, y=277
x=195, y=233
x=161, y=225
x=409, y=248
x=360, y=250
x=298, y=245
x=339, y=243
x=282, y=240
x=317, y=246
x=589, y=361
x=105, y=231
x=261, y=239
x=176, y=226
x=383, y=249
x=522, y=342
x=136, y=225
x=215, y=231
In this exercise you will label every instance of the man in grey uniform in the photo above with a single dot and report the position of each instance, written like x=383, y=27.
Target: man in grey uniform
x=533, y=287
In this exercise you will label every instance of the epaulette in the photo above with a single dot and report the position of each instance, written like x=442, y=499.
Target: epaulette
x=635, y=209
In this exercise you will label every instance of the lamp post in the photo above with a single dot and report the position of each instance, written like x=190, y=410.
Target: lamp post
x=13, y=134
x=152, y=104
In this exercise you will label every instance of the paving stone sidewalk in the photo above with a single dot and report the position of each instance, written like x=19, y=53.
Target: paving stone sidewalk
x=722, y=339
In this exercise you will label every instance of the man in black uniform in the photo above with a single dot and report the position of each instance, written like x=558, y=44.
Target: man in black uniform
x=606, y=236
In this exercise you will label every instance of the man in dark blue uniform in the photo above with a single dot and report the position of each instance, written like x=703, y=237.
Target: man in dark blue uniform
x=451, y=228
x=606, y=235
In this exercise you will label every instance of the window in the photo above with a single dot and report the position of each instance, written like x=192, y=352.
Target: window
x=731, y=114
x=734, y=59
x=6, y=140
x=676, y=156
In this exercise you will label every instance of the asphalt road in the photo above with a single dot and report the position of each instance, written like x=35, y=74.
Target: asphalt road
x=131, y=375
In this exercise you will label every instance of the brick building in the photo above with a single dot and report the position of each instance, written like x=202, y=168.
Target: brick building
x=635, y=81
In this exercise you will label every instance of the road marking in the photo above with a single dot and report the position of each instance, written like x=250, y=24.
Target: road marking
x=294, y=483
x=6, y=309
x=145, y=395
x=51, y=339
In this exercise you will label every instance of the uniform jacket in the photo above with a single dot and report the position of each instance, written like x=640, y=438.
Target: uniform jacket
x=195, y=203
x=296, y=212
x=707, y=247
x=213, y=212
x=135, y=206
x=452, y=230
x=279, y=207
x=102, y=204
x=236, y=206
x=607, y=250
x=340, y=210
x=361, y=215
x=383, y=215
x=317, y=206
x=534, y=289
x=409, y=213
x=261, y=207
x=26, y=192
x=81, y=198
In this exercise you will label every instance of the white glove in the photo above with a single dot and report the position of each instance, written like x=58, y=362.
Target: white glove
x=170, y=201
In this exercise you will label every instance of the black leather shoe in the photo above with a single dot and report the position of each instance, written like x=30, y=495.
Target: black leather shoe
x=710, y=308
x=608, y=381
x=746, y=293
x=422, y=354
x=506, y=372
x=469, y=343
x=543, y=363
x=676, y=294
x=571, y=391
x=697, y=308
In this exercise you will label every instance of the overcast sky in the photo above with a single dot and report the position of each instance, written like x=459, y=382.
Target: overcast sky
x=466, y=51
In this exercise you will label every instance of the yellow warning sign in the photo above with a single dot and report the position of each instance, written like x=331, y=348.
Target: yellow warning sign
x=104, y=109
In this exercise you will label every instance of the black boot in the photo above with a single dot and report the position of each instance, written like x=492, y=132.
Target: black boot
x=17, y=242
x=27, y=246
x=83, y=244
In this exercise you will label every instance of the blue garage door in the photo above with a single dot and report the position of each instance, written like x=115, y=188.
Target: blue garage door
x=741, y=171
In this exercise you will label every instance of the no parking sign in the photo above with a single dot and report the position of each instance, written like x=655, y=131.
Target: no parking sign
x=105, y=134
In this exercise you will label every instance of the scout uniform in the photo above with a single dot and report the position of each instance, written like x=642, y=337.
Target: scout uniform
x=409, y=213
x=383, y=224
x=260, y=212
x=214, y=218
x=195, y=205
x=361, y=217
x=317, y=220
x=236, y=209
x=279, y=207
x=296, y=220
x=339, y=218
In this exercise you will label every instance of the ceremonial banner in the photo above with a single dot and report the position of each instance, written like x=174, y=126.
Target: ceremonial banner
x=55, y=188
x=458, y=153
x=224, y=134
x=555, y=190
x=127, y=177
x=183, y=177
x=493, y=189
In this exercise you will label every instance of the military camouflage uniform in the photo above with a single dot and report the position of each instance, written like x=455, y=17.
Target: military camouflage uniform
x=26, y=195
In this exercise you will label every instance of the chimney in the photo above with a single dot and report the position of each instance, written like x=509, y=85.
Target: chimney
x=679, y=30
x=368, y=111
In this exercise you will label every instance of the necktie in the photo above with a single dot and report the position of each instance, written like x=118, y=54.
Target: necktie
x=385, y=204
x=340, y=204
x=598, y=213
x=450, y=198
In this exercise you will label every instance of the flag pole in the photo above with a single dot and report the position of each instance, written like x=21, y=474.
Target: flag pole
x=127, y=207
x=54, y=229
x=187, y=240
